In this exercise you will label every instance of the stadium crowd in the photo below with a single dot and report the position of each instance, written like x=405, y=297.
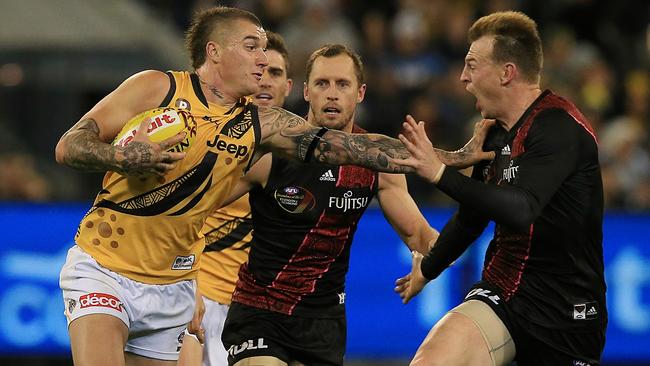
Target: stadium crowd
x=596, y=54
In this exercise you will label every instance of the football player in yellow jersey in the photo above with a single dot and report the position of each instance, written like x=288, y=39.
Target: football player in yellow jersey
x=228, y=233
x=128, y=282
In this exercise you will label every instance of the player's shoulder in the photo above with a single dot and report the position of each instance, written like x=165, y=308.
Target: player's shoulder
x=146, y=89
x=154, y=79
x=557, y=122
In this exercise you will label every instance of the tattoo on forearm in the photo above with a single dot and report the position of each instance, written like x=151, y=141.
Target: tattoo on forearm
x=84, y=149
x=376, y=152
x=453, y=158
x=278, y=119
x=286, y=124
x=373, y=151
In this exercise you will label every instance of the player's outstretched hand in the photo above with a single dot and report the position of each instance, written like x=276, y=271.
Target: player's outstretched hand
x=143, y=156
x=424, y=159
x=410, y=285
x=473, y=149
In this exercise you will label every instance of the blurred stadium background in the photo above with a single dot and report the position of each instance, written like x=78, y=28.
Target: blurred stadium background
x=58, y=58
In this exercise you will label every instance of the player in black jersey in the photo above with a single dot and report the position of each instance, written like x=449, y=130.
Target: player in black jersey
x=541, y=298
x=289, y=302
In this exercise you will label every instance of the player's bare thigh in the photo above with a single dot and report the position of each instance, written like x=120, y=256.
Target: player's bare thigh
x=261, y=361
x=191, y=353
x=98, y=340
x=470, y=334
x=135, y=360
x=266, y=361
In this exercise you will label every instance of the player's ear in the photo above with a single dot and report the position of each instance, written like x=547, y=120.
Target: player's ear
x=509, y=71
x=289, y=86
x=212, y=51
x=361, y=93
x=305, y=91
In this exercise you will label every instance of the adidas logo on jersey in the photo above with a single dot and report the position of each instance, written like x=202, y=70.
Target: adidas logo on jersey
x=592, y=311
x=505, y=150
x=327, y=177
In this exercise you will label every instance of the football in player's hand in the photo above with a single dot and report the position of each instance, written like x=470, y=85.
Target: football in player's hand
x=162, y=123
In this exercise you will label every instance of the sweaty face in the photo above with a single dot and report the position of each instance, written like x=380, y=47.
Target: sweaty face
x=274, y=86
x=481, y=77
x=242, y=58
x=333, y=92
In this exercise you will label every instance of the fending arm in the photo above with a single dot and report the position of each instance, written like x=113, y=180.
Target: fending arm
x=403, y=214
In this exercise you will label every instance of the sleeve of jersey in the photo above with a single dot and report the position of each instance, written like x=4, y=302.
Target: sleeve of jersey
x=454, y=239
x=551, y=155
x=459, y=232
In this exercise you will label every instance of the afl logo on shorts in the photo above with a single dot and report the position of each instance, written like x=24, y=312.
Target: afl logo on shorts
x=294, y=199
x=181, y=103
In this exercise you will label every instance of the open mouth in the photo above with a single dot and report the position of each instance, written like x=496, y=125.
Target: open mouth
x=264, y=96
x=331, y=111
x=258, y=76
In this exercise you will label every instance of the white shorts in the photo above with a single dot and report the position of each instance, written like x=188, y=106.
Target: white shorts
x=214, y=353
x=156, y=315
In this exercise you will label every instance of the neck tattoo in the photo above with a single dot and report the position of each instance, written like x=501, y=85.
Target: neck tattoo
x=213, y=89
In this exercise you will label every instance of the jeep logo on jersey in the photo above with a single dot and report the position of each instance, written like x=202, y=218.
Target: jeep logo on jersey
x=221, y=145
x=250, y=344
x=294, y=199
x=348, y=202
x=100, y=299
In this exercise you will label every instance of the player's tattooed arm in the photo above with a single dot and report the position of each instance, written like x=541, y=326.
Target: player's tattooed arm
x=374, y=151
x=472, y=152
x=459, y=158
x=292, y=136
x=81, y=148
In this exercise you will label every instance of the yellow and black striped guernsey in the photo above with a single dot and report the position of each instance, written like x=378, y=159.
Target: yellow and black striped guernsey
x=227, y=237
x=149, y=230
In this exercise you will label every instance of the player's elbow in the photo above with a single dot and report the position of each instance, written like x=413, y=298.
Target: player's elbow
x=524, y=217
